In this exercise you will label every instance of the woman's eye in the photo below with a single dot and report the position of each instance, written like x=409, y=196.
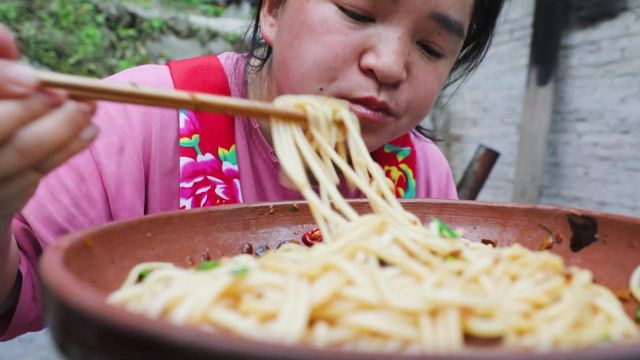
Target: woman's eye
x=356, y=16
x=430, y=51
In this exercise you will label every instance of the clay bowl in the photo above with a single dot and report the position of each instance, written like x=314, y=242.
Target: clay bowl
x=79, y=270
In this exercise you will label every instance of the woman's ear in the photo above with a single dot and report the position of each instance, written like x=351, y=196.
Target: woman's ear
x=269, y=20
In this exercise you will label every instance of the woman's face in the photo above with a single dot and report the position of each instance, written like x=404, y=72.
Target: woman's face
x=388, y=58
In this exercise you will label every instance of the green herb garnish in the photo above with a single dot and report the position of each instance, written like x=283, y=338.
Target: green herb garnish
x=443, y=229
x=242, y=270
x=293, y=208
x=208, y=265
x=450, y=258
x=143, y=274
x=638, y=314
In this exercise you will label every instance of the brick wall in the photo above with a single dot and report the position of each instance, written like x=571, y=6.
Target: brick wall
x=593, y=158
x=593, y=152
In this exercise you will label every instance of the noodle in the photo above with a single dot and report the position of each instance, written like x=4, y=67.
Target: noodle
x=634, y=284
x=380, y=281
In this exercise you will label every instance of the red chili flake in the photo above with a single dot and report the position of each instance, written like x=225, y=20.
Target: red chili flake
x=623, y=294
x=455, y=253
x=312, y=237
x=547, y=243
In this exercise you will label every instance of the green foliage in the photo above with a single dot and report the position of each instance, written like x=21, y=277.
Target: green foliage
x=213, y=8
x=78, y=36
x=99, y=37
x=9, y=11
x=232, y=37
x=207, y=7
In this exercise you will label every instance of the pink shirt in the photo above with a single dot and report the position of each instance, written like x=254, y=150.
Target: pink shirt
x=132, y=169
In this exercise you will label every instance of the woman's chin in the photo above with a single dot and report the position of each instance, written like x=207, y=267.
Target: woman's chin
x=372, y=144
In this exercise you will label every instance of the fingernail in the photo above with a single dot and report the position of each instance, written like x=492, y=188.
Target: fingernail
x=56, y=96
x=86, y=108
x=20, y=76
x=89, y=132
x=51, y=98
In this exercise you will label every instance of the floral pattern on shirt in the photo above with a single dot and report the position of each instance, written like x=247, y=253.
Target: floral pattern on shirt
x=400, y=173
x=206, y=179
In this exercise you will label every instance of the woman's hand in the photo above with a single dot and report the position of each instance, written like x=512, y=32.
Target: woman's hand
x=39, y=129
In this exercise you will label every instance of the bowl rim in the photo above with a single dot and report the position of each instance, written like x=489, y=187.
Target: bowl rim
x=83, y=298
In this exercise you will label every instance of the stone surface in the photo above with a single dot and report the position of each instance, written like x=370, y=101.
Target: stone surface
x=31, y=346
x=192, y=35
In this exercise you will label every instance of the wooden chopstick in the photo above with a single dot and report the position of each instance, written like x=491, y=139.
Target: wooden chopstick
x=86, y=88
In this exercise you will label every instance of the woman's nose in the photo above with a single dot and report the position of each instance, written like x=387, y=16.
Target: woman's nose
x=386, y=60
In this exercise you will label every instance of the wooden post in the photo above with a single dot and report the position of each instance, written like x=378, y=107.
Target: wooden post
x=477, y=172
x=549, y=21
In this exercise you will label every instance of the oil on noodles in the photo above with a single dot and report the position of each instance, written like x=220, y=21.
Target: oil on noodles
x=380, y=281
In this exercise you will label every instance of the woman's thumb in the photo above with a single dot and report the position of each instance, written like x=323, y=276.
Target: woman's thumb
x=8, y=46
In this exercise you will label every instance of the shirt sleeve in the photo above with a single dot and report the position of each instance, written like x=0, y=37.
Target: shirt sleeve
x=68, y=199
x=434, y=178
x=129, y=171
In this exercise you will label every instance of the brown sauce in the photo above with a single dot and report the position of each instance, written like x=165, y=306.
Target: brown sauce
x=584, y=231
x=247, y=249
x=493, y=243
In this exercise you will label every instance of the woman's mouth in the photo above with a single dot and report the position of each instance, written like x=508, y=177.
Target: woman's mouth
x=370, y=109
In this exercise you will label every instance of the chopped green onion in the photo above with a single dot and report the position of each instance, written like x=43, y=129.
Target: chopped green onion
x=638, y=314
x=208, y=265
x=240, y=271
x=443, y=229
x=450, y=258
x=143, y=274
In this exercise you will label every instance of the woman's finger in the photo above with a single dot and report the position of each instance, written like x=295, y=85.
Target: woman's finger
x=86, y=137
x=38, y=140
x=15, y=113
x=16, y=79
x=8, y=46
x=16, y=191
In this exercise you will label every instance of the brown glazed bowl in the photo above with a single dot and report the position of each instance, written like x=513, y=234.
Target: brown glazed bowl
x=79, y=270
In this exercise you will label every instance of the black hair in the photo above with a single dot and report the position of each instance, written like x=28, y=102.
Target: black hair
x=479, y=35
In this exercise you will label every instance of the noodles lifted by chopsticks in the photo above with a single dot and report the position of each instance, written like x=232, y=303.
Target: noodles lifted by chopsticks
x=380, y=281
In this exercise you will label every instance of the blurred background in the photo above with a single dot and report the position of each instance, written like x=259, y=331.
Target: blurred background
x=558, y=96
x=586, y=151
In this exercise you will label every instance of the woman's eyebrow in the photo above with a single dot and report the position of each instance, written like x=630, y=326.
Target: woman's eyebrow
x=448, y=23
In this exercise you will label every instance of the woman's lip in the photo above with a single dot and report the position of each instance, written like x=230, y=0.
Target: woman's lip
x=365, y=113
